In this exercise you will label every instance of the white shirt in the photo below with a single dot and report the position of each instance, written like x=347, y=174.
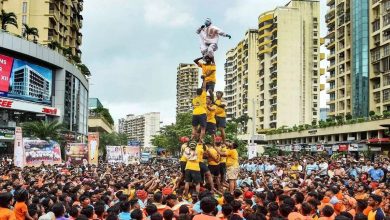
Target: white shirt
x=323, y=168
x=210, y=34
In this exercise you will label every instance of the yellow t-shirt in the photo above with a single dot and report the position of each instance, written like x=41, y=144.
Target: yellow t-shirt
x=199, y=104
x=183, y=158
x=214, y=154
x=223, y=158
x=206, y=69
x=211, y=114
x=232, y=158
x=194, y=164
x=294, y=168
x=220, y=112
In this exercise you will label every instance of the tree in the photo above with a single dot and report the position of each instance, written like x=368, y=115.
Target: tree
x=111, y=139
x=8, y=19
x=54, y=45
x=84, y=69
x=67, y=52
x=105, y=113
x=43, y=130
x=348, y=116
x=30, y=31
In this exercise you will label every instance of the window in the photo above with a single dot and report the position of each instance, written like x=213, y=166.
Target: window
x=315, y=105
x=375, y=55
x=315, y=42
x=376, y=25
x=386, y=50
x=386, y=95
x=315, y=33
x=315, y=50
x=314, y=113
x=24, y=7
x=24, y=19
x=315, y=19
x=315, y=81
x=315, y=97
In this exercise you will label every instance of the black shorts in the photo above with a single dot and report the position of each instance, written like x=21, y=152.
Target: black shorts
x=221, y=122
x=192, y=176
x=203, y=168
x=210, y=128
x=222, y=168
x=199, y=120
x=183, y=167
x=214, y=170
x=210, y=86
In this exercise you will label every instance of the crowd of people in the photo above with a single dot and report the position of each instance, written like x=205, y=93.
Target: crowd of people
x=282, y=187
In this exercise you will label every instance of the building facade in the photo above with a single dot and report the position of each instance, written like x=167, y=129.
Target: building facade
x=40, y=84
x=141, y=128
x=241, y=79
x=97, y=122
x=94, y=103
x=186, y=85
x=379, y=83
x=289, y=70
x=56, y=21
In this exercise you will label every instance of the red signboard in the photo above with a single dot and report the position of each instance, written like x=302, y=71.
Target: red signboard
x=49, y=111
x=343, y=147
x=5, y=103
x=5, y=72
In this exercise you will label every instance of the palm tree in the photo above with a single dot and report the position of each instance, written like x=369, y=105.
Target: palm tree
x=43, y=130
x=30, y=31
x=7, y=19
x=54, y=45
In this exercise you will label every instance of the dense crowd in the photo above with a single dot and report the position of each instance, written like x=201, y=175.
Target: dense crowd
x=282, y=187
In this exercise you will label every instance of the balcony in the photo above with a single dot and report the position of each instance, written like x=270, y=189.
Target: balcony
x=330, y=2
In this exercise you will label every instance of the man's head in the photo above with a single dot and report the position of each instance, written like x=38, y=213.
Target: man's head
x=208, y=100
x=208, y=204
x=219, y=94
x=207, y=22
x=374, y=200
x=207, y=59
x=199, y=91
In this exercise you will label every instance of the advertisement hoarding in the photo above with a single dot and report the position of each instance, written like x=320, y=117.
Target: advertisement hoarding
x=18, y=148
x=25, y=81
x=7, y=133
x=40, y=151
x=114, y=154
x=77, y=153
x=93, y=147
x=130, y=153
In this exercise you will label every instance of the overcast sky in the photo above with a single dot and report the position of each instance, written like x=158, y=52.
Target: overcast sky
x=133, y=47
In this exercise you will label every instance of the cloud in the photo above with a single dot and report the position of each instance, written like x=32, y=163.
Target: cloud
x=247, y=11
x=166, y=13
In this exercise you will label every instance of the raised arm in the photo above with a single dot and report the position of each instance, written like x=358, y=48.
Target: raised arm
x=196, y=61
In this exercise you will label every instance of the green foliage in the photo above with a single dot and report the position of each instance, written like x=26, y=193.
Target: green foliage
x=8, y=19
x=111, y=139
x=348, y=116
x=271, y=151
x=30, y=31
x=43, y=130
x=84, y=69
x=386, y=114
x=105, y=113
x=371, y=113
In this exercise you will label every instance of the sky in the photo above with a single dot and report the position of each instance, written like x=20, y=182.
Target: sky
x=133, y=47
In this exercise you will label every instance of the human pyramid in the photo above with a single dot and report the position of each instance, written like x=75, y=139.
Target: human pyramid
x=208, y=115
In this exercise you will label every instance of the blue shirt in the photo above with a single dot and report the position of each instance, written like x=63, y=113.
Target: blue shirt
x=124, y=216
x=376, y=174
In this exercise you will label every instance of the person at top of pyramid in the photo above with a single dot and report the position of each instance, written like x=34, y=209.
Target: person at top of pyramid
x=209, y=36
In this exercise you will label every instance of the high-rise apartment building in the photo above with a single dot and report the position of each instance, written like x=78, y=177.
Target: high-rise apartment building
x=141, y=127
x=379, y=85
x=241, y=79
x=348, y=43
x=289, y=70
x=56, y=21
x=186, y=85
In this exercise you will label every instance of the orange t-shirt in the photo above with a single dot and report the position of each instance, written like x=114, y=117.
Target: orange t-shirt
x=294, y=216
x=20, y=210
x=204, y=217
x=367, y=210
x=6, y=214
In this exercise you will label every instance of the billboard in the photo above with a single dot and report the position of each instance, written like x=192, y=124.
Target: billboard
x=26, y=81
x=93, y=147
x=7, y=133
x=130, y=153
x=114, y=154
x=40, y=151
x=77, y=153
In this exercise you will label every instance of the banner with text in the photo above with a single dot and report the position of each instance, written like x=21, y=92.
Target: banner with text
x=114, y=154
x=77, y=153
x=93, y=147
x=40, y=151
x=130, y=153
